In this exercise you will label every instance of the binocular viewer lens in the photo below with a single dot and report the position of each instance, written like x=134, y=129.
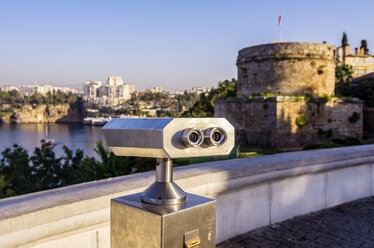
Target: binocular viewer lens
x=193, y=137
x=215, y=136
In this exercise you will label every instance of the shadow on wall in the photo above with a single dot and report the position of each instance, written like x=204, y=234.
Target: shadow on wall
x=304, y=122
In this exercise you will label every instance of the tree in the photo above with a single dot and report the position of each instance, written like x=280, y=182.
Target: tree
x=47, y=167
x=187, y=100
x=204, y=107
x=72, y=99
x=60, y=97
x=110, y=165
x=16, y=176
x=343, y=73
x=22, y=174
x=344, y=40
x=49, y=98
x=343, y=77
x=364, y=90
x=10, y=97
x=37, y=98
x=227, y=89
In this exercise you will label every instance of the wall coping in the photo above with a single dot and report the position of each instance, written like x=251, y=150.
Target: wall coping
x=287, y=50
x=227, y=174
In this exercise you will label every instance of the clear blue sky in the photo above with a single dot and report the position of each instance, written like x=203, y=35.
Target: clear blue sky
x=173, y=44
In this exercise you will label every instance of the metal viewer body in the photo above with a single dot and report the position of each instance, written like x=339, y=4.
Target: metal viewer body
x=163, y=215
x=165, y=139
x=164, y=191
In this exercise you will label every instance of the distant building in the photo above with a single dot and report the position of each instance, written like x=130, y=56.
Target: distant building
x=91, y=90
x=198, y=90
x=113, y=92
x=131, y=88
x=112, y=83
x=124, y=92
x=361, y=63
x=80, y=91
x=8, y=88
x=29, y=90
x=157, y=89
x=173, y=94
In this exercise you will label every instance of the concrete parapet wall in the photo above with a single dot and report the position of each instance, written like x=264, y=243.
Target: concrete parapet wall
x=250, y=193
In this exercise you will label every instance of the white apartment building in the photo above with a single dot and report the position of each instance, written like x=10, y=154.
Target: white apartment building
x=29, y=90
x=91, y=90
x=131, y=88
x=123, y=92
x=8, y=88
x=157, y=89
x=112, y=83
x=113, y=92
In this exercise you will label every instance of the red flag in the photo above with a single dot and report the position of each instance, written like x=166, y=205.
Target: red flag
x=280, y=19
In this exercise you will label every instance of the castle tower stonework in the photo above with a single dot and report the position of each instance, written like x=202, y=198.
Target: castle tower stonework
x=287, y=69
x=284, y=97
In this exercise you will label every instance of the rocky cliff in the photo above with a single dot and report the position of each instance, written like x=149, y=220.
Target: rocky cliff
x=40, y=114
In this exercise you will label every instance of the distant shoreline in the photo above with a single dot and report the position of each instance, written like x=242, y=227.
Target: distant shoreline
x=42, y=113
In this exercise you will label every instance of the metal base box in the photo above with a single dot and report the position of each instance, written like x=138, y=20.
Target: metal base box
x=135, y=224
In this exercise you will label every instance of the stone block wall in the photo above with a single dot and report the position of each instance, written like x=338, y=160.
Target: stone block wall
x=273, y=122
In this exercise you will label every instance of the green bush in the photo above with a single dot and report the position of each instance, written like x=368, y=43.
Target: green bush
x=348, y=141
x=329, y=133
x=352, y=141
x=321, y=146
x=354, y=117
x=301, y=121
x=21, y=173
x=325, y=97
x=338, y=141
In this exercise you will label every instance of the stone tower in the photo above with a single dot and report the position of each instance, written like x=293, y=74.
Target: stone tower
x=284, y=97
x=287, y=69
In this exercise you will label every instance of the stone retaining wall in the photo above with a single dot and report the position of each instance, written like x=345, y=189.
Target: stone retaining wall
x=250, y=193
x=274, y=122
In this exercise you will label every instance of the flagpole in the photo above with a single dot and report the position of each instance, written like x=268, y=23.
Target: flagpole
x=280, y=26
x=280, y=33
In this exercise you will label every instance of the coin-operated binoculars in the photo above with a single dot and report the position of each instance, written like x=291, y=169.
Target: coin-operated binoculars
x=164, y=215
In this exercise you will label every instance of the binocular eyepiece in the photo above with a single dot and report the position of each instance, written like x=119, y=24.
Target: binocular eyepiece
x=193, y=137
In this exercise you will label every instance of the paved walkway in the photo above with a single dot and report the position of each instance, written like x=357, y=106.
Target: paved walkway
x=349, y=225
